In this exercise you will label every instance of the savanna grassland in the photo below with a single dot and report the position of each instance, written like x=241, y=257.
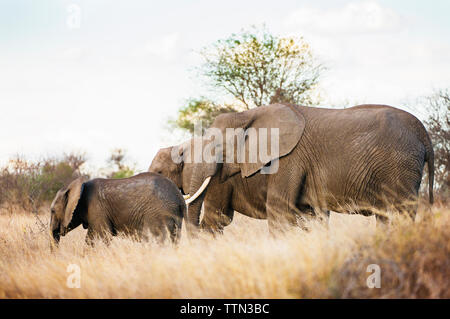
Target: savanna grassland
x=245, y=262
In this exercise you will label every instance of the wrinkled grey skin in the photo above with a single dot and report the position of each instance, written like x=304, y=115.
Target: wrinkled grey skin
x=359, y=158
x=246, y=196
x=143, y=204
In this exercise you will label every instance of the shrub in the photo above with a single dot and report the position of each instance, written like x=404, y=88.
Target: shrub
x=438, y=126
x=29, y=185
x=117, y=162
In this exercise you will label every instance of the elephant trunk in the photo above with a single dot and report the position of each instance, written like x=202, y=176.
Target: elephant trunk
x=54, y=240
x=55, y=230
x=193, y=216
x=198, y=186
x=56, y=235
x=189, y=199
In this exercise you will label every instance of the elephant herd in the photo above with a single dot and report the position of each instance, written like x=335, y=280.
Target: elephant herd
x=361, y=159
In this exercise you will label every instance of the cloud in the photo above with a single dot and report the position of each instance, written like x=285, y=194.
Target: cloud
x=164, y=47
x=354, y=18
x=74, y=53
x=373, y=53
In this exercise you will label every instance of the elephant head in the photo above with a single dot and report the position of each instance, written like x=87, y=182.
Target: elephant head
x=173, y=162
x=235, y=138
x=177, y=163
x=163, y=164
x=63, y=207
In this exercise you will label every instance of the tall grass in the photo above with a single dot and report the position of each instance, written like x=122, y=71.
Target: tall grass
x=245, y=262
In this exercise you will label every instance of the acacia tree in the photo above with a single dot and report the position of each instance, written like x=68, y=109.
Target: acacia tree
x=254, y=68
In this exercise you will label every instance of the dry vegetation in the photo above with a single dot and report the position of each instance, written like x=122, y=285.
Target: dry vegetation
x=243, y=263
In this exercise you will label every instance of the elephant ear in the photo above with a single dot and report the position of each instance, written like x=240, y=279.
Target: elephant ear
x=72, y=196
x=290, y=126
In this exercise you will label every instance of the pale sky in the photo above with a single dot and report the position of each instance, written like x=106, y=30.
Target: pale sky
x=115, y=80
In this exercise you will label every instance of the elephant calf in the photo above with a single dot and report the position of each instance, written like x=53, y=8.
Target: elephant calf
x=139, y=205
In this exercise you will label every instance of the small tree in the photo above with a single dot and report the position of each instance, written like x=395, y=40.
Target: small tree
x=254, y=68
x=258, y=68
x=438, y=125
x=202, y=111
x=117, y=160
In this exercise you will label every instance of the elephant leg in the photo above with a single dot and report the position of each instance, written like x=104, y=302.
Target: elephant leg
x=227, y=217
x=218, y=212
x=93, y=235
x=410, y=203
x=161, y=235
x=101, y=229
x=90, y=237
x=380, y=219
x=403, y=200
x=214, y=221
x=308, y=214
x=408, y=208
x=156, y=229
x=174, y=228
x=284, y=189
x=193, y=216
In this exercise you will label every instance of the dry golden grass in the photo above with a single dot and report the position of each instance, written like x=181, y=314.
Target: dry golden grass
x=243, y=263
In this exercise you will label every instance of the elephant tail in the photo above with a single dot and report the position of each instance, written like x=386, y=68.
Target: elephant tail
x=429, y=158
x=430, y=162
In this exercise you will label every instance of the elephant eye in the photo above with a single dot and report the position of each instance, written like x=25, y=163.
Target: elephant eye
x=52, y=211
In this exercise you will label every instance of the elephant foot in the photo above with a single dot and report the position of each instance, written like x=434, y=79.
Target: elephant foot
x=213, y=230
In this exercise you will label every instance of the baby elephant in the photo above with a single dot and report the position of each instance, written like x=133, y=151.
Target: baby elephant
x=138, y=205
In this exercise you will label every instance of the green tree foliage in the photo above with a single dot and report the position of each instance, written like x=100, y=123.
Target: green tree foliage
x=30, y=185
x=117, y=160
x=201, y=111
x=258, y=68
x=254, y=68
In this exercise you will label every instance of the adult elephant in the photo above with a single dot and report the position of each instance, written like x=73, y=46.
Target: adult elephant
x=360, y=158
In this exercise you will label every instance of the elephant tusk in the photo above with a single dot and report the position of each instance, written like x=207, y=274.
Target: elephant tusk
x=199, y=192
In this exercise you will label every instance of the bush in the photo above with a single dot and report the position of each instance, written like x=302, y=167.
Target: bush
x=200, y=110
x=29, y=185
x=117, y=162
x=438, y=126
x=123, y=173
